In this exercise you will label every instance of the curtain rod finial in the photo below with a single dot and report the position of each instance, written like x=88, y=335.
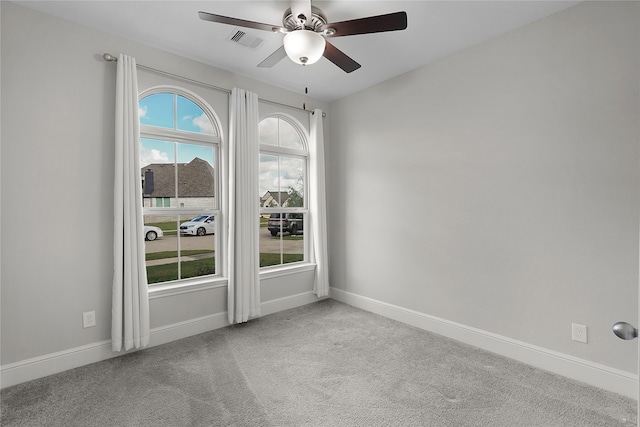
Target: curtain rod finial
x=109, y=58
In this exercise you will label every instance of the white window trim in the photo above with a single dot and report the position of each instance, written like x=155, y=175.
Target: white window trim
x=168, y=289
x=304, y=265
x=191, y=96
x=286, y=269
x=215, y=141
x=156, y=132
x=289, y=152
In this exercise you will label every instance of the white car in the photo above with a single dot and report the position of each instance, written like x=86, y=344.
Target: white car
x=152, y=233
x=199, y=226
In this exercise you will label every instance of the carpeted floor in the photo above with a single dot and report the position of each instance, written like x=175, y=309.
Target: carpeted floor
x=324, y=364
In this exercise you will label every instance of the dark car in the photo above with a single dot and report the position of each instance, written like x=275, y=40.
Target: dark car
x=289, y=222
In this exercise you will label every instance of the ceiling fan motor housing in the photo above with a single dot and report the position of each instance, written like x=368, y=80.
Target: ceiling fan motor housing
x=292, y=23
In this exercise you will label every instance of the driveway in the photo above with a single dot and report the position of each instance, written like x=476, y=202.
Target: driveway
x=270, y=244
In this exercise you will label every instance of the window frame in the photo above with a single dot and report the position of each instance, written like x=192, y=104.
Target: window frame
x=303, y=154
x=175, y=136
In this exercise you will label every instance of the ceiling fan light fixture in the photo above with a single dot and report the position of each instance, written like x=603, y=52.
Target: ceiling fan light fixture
x=304, y=46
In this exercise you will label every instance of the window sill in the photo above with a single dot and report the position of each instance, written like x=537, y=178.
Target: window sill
x=272, y=272
x=161, y=291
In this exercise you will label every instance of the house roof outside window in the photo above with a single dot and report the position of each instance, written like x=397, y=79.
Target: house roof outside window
x=274, y=199
x=195, y=179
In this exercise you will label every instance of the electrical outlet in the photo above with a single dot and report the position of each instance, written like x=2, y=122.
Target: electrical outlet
x=88, y=319
x=578, y=332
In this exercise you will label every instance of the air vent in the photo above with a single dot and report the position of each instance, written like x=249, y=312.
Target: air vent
x=244, y=39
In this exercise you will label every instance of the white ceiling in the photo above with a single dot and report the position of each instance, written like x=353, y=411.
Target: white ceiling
x=435, y=29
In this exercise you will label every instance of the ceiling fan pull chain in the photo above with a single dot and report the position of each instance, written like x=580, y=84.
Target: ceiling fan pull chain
x=306, y=88
x=304, y=104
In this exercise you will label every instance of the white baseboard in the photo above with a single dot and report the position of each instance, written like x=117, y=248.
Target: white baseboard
x=166, y=334
x=578, y=369
x=594, y=374
x=49, y=364
x=42, y=366
x=286, y=303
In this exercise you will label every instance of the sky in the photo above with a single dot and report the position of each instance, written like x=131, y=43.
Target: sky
x=280, y=173
x=166, y=110
x=160, y=110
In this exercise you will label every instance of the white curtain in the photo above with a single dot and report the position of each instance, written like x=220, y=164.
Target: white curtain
x=318, y=207
x=244, y=279
x=130, y=303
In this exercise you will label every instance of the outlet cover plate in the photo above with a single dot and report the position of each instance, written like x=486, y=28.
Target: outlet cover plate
x=579, y=332
x=88, y=319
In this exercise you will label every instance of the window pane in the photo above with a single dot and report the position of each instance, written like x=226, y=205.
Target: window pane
x=281, y=181
x=292, y=181
x=156, y=151
x=269, y=180
x=171, y=255
x=157, y=110
x=196, y=187
x=269, y=131
x=191, y=117
x=270, y=244
x=178, y=173
x=288, y=136
x=161, y=248
x=282, y=184
x=293, y=243
x=158, y=173
x=281, y=238
x=198, y=245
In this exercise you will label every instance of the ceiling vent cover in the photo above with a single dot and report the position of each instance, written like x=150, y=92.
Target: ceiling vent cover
x=244, y=39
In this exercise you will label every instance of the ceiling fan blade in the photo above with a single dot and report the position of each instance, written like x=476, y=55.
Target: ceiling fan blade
x=301, y=7
x=205, y=16
x=271, y=60
x=340, y=58
x=373, y=24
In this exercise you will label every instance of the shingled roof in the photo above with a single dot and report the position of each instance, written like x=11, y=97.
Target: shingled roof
x=195, y=179
x=277, y=196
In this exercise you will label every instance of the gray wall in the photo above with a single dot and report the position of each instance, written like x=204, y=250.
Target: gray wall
x=57, y=178
x=498, y=188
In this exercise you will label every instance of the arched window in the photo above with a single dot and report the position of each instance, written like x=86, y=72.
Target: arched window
x=179, y=163
x=283, y=189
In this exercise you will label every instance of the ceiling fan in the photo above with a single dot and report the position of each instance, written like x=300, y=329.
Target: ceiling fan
x=306, y=32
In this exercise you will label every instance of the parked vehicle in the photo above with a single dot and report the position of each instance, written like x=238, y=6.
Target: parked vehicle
x=199, y=226
x=289, y=222
x=151, y=233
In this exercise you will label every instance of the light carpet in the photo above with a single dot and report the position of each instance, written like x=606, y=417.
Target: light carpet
x=324, y=364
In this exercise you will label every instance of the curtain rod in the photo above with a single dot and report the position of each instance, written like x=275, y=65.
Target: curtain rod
x=110, y=58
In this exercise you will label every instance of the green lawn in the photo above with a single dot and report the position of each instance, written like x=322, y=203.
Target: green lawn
x=202, y=267
x=267, y=259
x=167, y=272
x=172, y=254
